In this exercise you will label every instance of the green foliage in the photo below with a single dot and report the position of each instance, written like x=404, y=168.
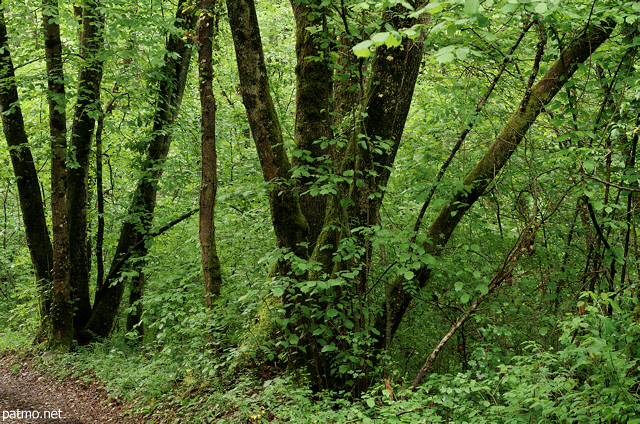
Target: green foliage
x=525, y=356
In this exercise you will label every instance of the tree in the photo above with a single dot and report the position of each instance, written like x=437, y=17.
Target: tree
x=353, y=212
x=210, y=262
x=61, y=333
x=134, y=231
x=24, y=169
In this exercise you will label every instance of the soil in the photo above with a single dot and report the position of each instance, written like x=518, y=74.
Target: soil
x=28, y=394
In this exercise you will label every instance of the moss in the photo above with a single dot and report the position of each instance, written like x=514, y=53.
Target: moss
x=263, y=330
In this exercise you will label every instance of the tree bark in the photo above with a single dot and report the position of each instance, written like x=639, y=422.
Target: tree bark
x=496, y=157
x=135, y=229
x=86, y=110
x=31, y=204
x=209, y=186
x=61, y=331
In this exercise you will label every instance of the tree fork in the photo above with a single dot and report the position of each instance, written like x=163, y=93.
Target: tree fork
x=89, y=80
x=290, y=225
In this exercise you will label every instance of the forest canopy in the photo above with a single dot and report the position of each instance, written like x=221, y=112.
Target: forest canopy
x=371, y=206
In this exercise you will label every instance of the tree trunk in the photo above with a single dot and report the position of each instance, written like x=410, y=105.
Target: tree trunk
x=490, y=165
x=31, y=203
x=313, y=121
x=290, y=226
x=387, y=99
x=209, y=186
x=61, y=331
x=135, y=229
x=86, y=109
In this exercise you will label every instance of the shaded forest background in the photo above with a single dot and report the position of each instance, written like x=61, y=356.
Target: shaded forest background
x=424, y=212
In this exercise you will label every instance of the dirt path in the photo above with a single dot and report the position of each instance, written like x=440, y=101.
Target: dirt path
x=29, y=395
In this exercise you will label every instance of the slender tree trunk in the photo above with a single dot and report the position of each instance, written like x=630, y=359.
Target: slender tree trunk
x=100, y=190
x=31, y=204
x=490, y=165
x=209, y=186
x=86, y=109
x=61, y=332
x=135, y=229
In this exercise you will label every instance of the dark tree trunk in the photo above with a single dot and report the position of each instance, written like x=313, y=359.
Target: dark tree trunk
x=490, y=165
x=61, y=331
x=31, y=203
x=209, y=186
x=290, y=226
x=135, y=229
x=87, y=106
x=313, y=121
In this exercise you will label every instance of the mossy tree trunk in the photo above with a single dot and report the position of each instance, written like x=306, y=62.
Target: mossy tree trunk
x=31, y=204
x=209, y=185
x=290, y=225
x=387, y=101
x=135, y=230
x=313, y=121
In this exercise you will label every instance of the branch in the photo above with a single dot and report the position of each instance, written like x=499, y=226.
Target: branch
x=523, y=244
x=116, y=269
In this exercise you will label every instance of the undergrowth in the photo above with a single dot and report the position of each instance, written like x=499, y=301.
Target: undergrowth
x=587, y=380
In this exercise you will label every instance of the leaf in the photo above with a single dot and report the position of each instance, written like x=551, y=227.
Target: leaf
x=589, y=165
x=332, y=313
x=362, y=49
x=446, y=58
x=462, y=53
x=451, y=30
x=541, y=8
x=465, y=298
x=543, y=331
x=371, y=403
x=471, y=6
x=483, y=288
x=411, y=33
x=379, y=38
x=458, y=286
x=615, y=305
x=278, y=291
x=394, y=40
x=329, y=348
x=409, y=275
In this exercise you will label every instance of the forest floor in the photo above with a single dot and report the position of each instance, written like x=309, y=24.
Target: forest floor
x=28, y=394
